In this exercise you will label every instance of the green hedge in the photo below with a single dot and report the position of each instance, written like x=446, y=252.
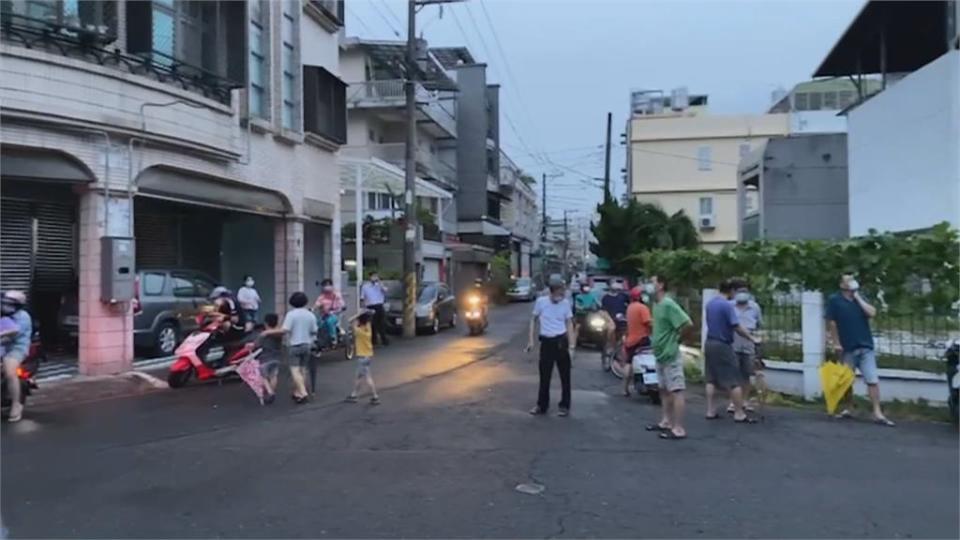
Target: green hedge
x=905, y=272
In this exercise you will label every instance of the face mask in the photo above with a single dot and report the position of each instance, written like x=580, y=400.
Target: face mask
x=742, y=297
x=649, y=288
x=374, y=280
x=248, y=283
x=555, y=299
x=853, y=285
x=328, y=289
x=645, y=298
x=585, y=289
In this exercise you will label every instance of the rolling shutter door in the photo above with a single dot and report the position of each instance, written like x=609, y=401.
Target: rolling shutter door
x=16, y=245
x=157, y=245
x=53, y=264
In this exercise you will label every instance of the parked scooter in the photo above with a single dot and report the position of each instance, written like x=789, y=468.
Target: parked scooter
x=345, y=341
x=26, y=372
x=203, y=354
x=476, y=315
x=952, y=357
x=645, y=381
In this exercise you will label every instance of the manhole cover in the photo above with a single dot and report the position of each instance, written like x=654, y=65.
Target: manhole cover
x=530, y=489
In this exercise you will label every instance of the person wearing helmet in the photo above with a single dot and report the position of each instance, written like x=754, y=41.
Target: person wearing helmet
x=614, y=305
x=639, y=327
x=13, y=304
x=226, y=306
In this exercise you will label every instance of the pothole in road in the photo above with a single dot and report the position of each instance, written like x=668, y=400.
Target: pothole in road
x=530, y=489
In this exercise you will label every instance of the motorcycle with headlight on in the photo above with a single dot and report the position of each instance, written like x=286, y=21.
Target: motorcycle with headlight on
x=475, y=314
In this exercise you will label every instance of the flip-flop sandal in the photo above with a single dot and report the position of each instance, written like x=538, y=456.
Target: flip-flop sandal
x=730, y=409
x=746, y=420
x=843, y=415
x=671, y=436
x=350, y=399
x=712, y=417
x=884, y=422
x=374, y=401
x=656, y=427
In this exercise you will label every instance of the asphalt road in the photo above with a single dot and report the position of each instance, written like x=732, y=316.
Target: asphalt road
x=443, y=454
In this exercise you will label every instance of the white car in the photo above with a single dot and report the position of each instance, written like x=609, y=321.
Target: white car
x=522, y=290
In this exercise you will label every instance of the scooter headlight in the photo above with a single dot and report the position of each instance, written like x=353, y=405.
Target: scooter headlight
x=473, y=314
x=597, y=323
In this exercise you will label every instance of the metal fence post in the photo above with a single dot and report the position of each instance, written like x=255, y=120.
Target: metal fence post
x=814, y=341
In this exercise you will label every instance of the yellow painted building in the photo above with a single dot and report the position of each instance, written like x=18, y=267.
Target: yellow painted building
x=684, y=158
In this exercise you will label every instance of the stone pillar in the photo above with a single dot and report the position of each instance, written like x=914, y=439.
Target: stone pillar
x=106, y=332
x=288, y=261
x=814, y=341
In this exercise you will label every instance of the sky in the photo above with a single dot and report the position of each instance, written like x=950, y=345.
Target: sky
x=563, y=64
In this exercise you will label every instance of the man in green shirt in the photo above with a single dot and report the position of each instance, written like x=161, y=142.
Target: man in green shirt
x=669, y=322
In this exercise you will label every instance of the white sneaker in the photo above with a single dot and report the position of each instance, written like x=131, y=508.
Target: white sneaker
x=16, y=413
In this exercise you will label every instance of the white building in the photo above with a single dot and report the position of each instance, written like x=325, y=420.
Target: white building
x=520, y=215
x=903, y=141
x=206, y=131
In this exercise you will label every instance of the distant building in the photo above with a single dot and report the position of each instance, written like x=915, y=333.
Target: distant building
x=795, y=188
x=681, y=157
x=815, y=106
x=904, y=140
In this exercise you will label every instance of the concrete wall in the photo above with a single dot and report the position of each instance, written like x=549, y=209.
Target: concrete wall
x=471, y=142
x=904, y=151
x=818, y=122
x=804, y=188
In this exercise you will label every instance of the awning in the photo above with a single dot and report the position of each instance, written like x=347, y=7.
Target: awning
x=913, y=35
x=189, y=188
x=481, y=227
x=378, y=175
x=42, y=165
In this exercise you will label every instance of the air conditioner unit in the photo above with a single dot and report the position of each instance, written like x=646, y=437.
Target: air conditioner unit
x=707, y=223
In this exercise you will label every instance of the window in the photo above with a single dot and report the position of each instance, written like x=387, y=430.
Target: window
x=164, y=40
x=380, y=201
x=203, y=286
x=182, y=285
x=816, y=101
x=703, y=158
x=428, y=294
x=830, y=101
x=800, y=102
x=845, y=99
x=744, y=150
x=151, y=284
x=288, y=60
x=259, y=53
x=706, y=206
x=325, y=104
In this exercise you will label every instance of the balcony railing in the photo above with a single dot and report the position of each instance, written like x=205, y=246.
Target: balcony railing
x=395, y=153
x=390, y=93
x=89, y=45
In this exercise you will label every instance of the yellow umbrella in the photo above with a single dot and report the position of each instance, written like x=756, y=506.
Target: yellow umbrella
x=836, y=379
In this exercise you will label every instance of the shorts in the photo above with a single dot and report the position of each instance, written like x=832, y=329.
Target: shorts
x=747, y=364
x=250, y=315
x=670, y=375
x=14, y=357
x=721, y=366
x=299, y=355
x=866, y=361
x=269, y=368
x=363, y=366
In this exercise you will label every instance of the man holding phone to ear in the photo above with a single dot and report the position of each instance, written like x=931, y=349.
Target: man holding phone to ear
x=848, y=317
x=552, y=321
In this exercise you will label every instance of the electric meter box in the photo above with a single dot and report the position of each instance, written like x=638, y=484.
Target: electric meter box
x=117, y=270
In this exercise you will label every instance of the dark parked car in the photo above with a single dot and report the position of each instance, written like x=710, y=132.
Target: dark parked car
x=165, y=308
x=436, y=307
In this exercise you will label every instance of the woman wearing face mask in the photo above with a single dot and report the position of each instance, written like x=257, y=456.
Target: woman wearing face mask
x=328, y=305
x=249, y=300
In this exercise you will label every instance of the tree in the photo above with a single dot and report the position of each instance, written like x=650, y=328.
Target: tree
x=637, y=228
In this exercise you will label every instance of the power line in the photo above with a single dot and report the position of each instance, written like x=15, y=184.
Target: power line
x=385, y=19
x=392, y=14
x=359, y=20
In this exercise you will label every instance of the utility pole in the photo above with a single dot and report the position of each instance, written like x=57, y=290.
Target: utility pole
x=606, y=166
x=410, y=176
x=566, y=240
x=543, y=209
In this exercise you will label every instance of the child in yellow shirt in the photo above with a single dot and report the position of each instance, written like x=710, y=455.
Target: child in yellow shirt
x=363, y=340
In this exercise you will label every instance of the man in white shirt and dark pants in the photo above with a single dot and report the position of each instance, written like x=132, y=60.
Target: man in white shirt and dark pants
x=372, y=296
x=553, y=322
